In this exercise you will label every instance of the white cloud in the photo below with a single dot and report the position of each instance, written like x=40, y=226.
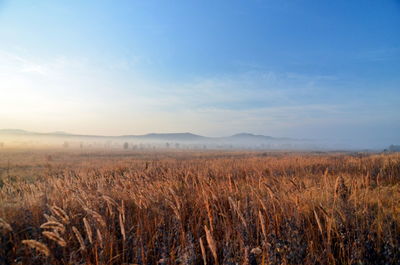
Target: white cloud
x=17, y=64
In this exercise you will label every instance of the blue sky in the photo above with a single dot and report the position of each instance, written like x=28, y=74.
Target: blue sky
x=304, y=69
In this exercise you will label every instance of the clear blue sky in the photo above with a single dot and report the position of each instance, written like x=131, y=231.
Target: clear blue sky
x=304, y=69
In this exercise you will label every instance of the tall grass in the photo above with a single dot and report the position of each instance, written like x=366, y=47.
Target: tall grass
x=273, y=209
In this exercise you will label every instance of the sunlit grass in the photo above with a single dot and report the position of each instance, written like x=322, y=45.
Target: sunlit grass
x=197, y=208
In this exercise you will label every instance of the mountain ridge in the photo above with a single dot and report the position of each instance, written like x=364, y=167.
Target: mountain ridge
x=159, y=136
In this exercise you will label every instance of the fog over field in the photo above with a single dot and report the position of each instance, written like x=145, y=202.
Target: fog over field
x=24, y=139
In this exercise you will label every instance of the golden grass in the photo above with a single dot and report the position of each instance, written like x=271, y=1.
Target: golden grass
x=201, y=208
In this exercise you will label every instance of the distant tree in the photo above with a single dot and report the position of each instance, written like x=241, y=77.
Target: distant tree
x=394, y=148
x=49, y=158
x=177, y=145
x=126, y=145
x=167, y=145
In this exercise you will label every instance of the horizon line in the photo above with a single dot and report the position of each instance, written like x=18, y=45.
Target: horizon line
x=145, y=134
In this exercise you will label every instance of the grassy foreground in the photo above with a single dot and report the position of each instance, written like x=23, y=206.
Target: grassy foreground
x=208, y=208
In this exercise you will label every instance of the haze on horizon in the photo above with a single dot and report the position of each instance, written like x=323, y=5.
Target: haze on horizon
x=300, y=69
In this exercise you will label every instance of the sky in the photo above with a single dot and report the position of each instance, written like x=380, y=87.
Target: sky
x=302, y=69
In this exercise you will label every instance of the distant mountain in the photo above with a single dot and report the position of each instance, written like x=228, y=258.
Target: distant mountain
x=168, y=136
x=59, y=133
x=240, y=139
x=14, y=131
x=18, y=132
x=250, y=136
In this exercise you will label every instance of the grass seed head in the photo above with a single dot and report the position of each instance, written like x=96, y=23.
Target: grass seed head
x=55, y=237
x=40, y=247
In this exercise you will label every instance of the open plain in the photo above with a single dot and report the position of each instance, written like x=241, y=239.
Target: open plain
x=198, y=207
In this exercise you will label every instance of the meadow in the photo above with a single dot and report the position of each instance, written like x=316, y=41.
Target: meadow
x=198, y=207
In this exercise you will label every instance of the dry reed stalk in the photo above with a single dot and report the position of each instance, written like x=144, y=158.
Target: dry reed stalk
x=378, y=179
x=203, y=252
x=110, y=200
x=341, y=190
x=122, y=211
x=78, y=236
x=97, y=217
x=211, y=244
x=326, y=172
x=212, y=194
x=88, y=230
x=122, y=227
x=109, y=209
x=55, y=237
x=295, y=185
x=40, y=247
x=80, y=201
x=318, y=222
x=262, y=223
x=323, y=211
x=54, y=226
x=246, y=256
x=271, y=195
x=230, y=181
x=99, y=237
x=175, y=210
x=60, y=213
x=209, y=213
x=6, y=226
x=237, y=210
x=50, y=218
x=110, y=203
x=260, y=200
x=176, y=199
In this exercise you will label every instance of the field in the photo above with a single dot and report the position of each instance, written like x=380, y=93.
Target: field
x=187, y=207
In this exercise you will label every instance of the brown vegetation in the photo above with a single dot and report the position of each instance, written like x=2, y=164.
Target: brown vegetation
x=202, y=208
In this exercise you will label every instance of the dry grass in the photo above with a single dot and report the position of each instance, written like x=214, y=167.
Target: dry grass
x=201, y=208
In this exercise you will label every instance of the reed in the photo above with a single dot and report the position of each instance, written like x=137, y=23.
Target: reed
x=40, y=247
x=201, y=208
x=79, y=237
x=55, y=237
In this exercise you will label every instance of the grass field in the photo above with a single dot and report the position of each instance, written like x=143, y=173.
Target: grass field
x=199, y=208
